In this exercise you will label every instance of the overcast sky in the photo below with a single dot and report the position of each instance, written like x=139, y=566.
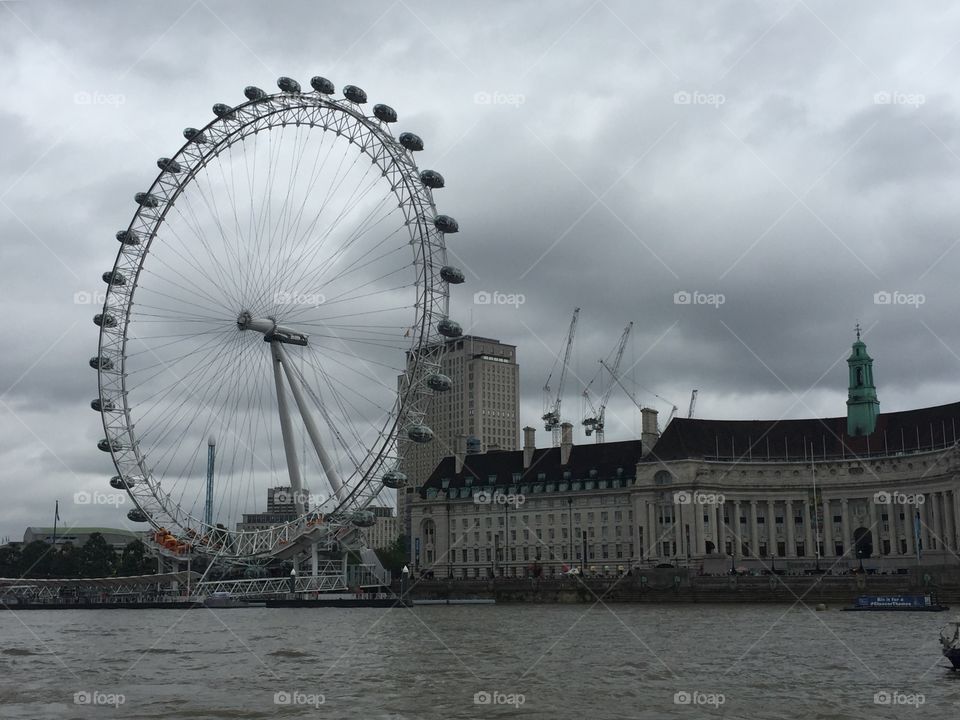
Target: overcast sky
x=791, y=159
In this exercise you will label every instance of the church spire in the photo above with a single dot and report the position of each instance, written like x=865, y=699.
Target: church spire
x=863, y=407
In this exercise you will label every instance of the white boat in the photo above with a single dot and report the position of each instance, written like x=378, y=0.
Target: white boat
x=950, y=642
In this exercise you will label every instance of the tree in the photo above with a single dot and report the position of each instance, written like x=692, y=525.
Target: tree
x=36, y=560
x=9, y=561
x=394, y=556
x=66, y=563
x=97, y=558
x=135, y=561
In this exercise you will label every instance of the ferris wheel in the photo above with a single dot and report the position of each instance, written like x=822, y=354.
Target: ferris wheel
x=281, y=293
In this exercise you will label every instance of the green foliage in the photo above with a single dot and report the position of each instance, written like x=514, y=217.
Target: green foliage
x=97, y=558
x=134, y=560
x=394, y=557
x=36, y=560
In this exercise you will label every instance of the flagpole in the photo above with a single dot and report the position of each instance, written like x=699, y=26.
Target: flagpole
x=56, y=516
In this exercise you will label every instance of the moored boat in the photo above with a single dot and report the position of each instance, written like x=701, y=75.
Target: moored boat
x=950, y=642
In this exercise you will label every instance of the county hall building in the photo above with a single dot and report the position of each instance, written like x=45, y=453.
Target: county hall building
x=881, y=489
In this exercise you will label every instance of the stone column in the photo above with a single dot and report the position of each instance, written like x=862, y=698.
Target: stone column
x=809, y=542
x=937, y=534
x=735, y=530
x=875, y=529
x=754, y=529
x=639, y=520
x=949, y=531
x=653, y=531
x=828, y=549
x=718, y=529
x=771, y=529
x=678, y=529
x=788, y=519
x=845, y=527
x=696, y=527
x=908, y=528
x=892, y=512
x=925, y=523
x=956, y=516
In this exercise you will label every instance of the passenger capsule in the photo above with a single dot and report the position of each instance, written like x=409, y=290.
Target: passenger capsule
x=288, y=85
x=322, y=85
x=194, y=135
x=420, y=433
x=452, y=275
x=432, y=179
x=252, y=92
x=411, y=141
x=354, y=94
x=101, y=363
x=107, y=446
x=385, y=113
x=446, y=224
x=104, y=320
x=449, y=328
x=114, y=277
x=439, y=382
x=394, y=479
x=102, y=405
x=363, y=518
x=168, y=165
x=146, y=200
x=136, y=515
x=128, y=237
x=119, y=483
x=223, y=111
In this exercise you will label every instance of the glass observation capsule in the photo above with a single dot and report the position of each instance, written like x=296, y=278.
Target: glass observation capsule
x=322, y=85
x=119, y=483
x=146, y=200
x=449, y=328
x=101, y=363
x=363, y=518
x=194, y=135
x=394, y=479
x=446, y=224
x=452, y=275
x=432, y=179
x=288, y=85
x=107, y=445
x=136, y=515
x=354, y=94
x=252, y=92
x=102, y=405
x=114, y=277
x=168, y=165
x=411, y=141
x=104, y=320
x=128, y=237
x=385, y=113
x=439, y=382
x=222, y=111
x=420, y=433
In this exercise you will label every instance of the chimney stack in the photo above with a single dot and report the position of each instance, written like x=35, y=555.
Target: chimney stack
x=566, y=442
x=529, y=445
x=648, y=429
x=459, y=453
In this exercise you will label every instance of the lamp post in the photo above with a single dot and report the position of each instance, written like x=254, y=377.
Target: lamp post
x=404, y=580
x=583, y=554
x=293, y=581
x=570, y=525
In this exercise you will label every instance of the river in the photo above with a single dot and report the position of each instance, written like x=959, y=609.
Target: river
x=524, y=661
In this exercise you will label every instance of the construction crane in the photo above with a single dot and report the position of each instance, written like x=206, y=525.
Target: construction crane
x=551, y=405
x=594, y=420
x=616, y=378
x=693, y=403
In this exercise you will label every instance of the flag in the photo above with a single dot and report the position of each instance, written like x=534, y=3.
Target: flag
x=56, y=512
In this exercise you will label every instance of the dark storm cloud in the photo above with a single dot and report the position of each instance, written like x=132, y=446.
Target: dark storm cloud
x=795, y=158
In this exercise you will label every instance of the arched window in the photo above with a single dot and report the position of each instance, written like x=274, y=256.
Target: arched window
x=859, y=377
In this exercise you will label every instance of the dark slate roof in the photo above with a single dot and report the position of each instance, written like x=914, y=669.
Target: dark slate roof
x=605, y=458
x=898, y=432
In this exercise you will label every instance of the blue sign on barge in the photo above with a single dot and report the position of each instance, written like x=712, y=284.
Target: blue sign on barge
x=914, y=603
